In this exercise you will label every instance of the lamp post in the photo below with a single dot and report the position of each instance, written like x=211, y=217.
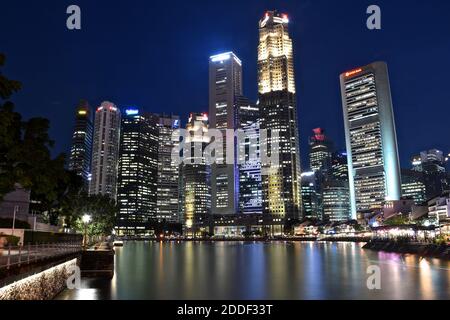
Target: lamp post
x=86, y=219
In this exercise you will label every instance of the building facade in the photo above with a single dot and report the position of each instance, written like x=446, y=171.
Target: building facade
x=168, y=170
x=278, y=109
x=81, y=149
x=225, y=86
x=311, y=196
x=138, y=172
x=413, y=186
x=195, y=190
x=320, y=151
x=105, y=151
x=374, y=171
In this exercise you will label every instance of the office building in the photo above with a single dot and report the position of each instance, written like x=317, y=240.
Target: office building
x=413, y=186
x=105, y=151
x=278, y=110
x=168, y=170
x=81, y=149
x=311, y=196
x=320, y=151
x=138, y=172
x=374, y=172
x=195, y=191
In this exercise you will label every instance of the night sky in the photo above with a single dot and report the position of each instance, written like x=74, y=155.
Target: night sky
x=154, y=54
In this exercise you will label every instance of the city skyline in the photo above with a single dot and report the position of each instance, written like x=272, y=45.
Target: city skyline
x=408, y=102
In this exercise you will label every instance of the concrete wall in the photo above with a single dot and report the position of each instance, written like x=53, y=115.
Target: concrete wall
x=44, y=285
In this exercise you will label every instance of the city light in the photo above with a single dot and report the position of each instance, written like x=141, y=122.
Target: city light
x=130, y=112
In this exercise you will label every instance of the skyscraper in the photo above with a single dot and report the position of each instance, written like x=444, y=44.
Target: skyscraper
x=374, y=172
x=430, y=165
x=336, y=201
x=413, y=186
x=225, y=86
x=138, y=170
x=320, y=151
x=276, y=87
x=250, y=192
x=81, y=150
x=195, y=192
x=168, y=170
x=105, y=152
x=310, y=196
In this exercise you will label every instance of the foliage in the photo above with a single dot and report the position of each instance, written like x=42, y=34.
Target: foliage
x=101, y=208
x=396, y=221
x=25, y=157
x=11, y=240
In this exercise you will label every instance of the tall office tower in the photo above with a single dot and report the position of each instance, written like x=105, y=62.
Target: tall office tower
x=168, y=170
x=339, y=167
x=250, y=192
x=105, y=151
x=276, y=87
x=320, y=151
x=310, y=196
x=80, y=152
x=336, y=201
x=374, y=171
x=225, y=86
x=431, y=165
x=413, y=186
x=195, y=174
x=138, y=172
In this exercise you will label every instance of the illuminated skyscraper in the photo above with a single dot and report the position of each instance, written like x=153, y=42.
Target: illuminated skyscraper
x=138, y=172
x=250, y=192
x=374, y=171
x=225, y=86
x=276, y=87
x=168, y=170
x=195, y=192
x=80, y=152
x=310, y=196
x=320, y=151
x=105, y=152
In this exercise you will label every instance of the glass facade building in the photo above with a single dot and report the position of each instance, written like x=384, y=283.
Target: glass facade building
x=374, y=172
x=105, y=151
x=278, y=110
x=81, y=149
x=137, y=176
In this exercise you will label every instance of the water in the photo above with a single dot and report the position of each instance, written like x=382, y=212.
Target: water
x=276, y=270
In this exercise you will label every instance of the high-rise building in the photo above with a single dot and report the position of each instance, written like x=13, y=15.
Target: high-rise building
x=339, y=167
x=310, y=196
x=105, y=151
x=250, y=192
x=431, y=166
x=336, y=201
x=225, y=87
x=320, y=151
x=195, y=192
x=278, y=109
x=168, y=170
x=413, y=186
x=81, y=150
x=138, y=172
x=374, y=171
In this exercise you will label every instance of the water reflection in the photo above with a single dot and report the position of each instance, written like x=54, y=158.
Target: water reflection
x=278, y=270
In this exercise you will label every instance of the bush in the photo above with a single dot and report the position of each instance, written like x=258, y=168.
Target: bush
x=10, y=240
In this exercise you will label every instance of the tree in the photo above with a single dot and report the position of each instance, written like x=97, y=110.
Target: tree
x=101, y=208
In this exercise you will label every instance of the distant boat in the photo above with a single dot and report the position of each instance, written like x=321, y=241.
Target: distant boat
x=118, y=243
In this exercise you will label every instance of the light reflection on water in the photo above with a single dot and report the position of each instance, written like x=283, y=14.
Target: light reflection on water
x=257, y=270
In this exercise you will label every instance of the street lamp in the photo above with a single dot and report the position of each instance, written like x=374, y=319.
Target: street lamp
x=86, y=219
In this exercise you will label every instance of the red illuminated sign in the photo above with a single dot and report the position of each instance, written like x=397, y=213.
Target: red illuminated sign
x=353, y=72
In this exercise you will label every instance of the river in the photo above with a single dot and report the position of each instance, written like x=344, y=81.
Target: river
x=259, y=270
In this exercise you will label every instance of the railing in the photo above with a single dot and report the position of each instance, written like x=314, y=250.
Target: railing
x=26, y=254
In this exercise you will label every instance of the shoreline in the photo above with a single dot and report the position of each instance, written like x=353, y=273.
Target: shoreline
x=426, y=250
